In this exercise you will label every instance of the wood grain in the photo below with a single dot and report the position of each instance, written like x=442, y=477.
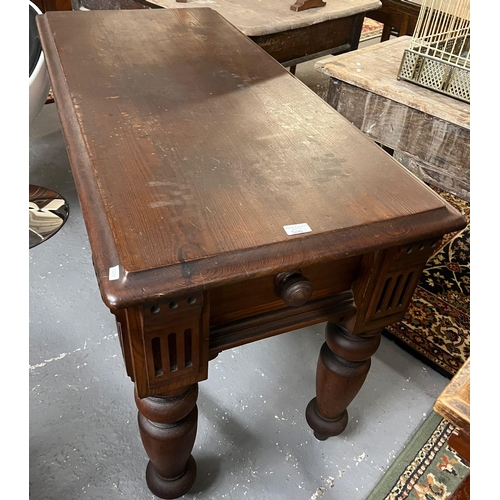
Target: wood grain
x=454, y=402
x=187, y=173
x=291, y=47
x=375, y=69
x=429, y=132
x=463, y=491
x=266, y=18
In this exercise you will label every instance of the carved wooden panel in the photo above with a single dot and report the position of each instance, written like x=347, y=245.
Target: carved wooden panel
x=397, y=279
x=413, y=253
x=172, y=350
x=396, y=293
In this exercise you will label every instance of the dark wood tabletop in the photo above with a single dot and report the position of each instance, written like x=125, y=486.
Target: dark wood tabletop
x=192, y=157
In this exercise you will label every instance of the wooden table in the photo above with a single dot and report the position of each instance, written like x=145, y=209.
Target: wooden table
x=225, y=202
x=399, y=17
x=290, y=37
x=46, y=5
x=453, y=404
x=429, y=132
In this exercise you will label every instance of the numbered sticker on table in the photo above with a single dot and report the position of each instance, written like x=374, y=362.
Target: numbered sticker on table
x=114, y=273
x=297, y=229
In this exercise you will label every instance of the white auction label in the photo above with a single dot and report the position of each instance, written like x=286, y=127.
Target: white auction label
x=114, y=273
x=297, y=229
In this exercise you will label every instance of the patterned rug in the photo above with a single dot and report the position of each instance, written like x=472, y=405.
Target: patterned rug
x=371, y=29
x=427, y=468
x=437, y=325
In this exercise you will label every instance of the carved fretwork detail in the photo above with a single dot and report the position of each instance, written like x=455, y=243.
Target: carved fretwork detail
x=396, y=293
x=393, y=296
x=415, y=252
x=391, y=287
x=171, y=353
x=173, y=350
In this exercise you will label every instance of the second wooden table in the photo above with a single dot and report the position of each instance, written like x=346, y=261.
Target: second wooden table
x=428, y=131
x=290, y=37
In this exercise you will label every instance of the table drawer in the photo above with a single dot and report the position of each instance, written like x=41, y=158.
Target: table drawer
x=258, y=296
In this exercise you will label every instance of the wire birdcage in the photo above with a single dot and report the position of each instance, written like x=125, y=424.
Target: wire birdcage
x=439, y=53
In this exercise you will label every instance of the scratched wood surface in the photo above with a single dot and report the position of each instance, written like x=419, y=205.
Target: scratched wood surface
x=454, y=402
x=191, y=148
x=375, y=69
x=255, y=18
x=429, y=132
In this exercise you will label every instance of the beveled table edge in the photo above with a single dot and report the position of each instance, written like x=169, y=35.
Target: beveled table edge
x=146, y=285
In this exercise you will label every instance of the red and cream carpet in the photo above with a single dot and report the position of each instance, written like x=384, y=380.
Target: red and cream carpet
x=436, y=327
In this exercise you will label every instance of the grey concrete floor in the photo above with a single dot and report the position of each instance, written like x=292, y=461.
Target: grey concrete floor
x=253, y=441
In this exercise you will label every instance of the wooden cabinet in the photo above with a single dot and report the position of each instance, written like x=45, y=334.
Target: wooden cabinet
x=46, y=5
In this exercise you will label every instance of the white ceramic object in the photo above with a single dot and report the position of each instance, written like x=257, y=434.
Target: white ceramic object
x=39, y=82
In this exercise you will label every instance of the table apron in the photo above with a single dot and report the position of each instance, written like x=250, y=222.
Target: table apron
x=302, y=44
x=167, y=345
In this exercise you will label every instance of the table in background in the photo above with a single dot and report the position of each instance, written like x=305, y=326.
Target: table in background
x=46, y=5
x=428, y=131
x=399, y=17
x=453, y=404
x=225, y=202
x=288, y=36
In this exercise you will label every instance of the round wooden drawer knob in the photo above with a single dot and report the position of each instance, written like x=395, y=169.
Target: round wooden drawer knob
x=293, y=288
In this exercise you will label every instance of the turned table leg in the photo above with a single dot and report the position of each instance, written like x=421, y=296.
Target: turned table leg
x=168, y=430
x=343, y=365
